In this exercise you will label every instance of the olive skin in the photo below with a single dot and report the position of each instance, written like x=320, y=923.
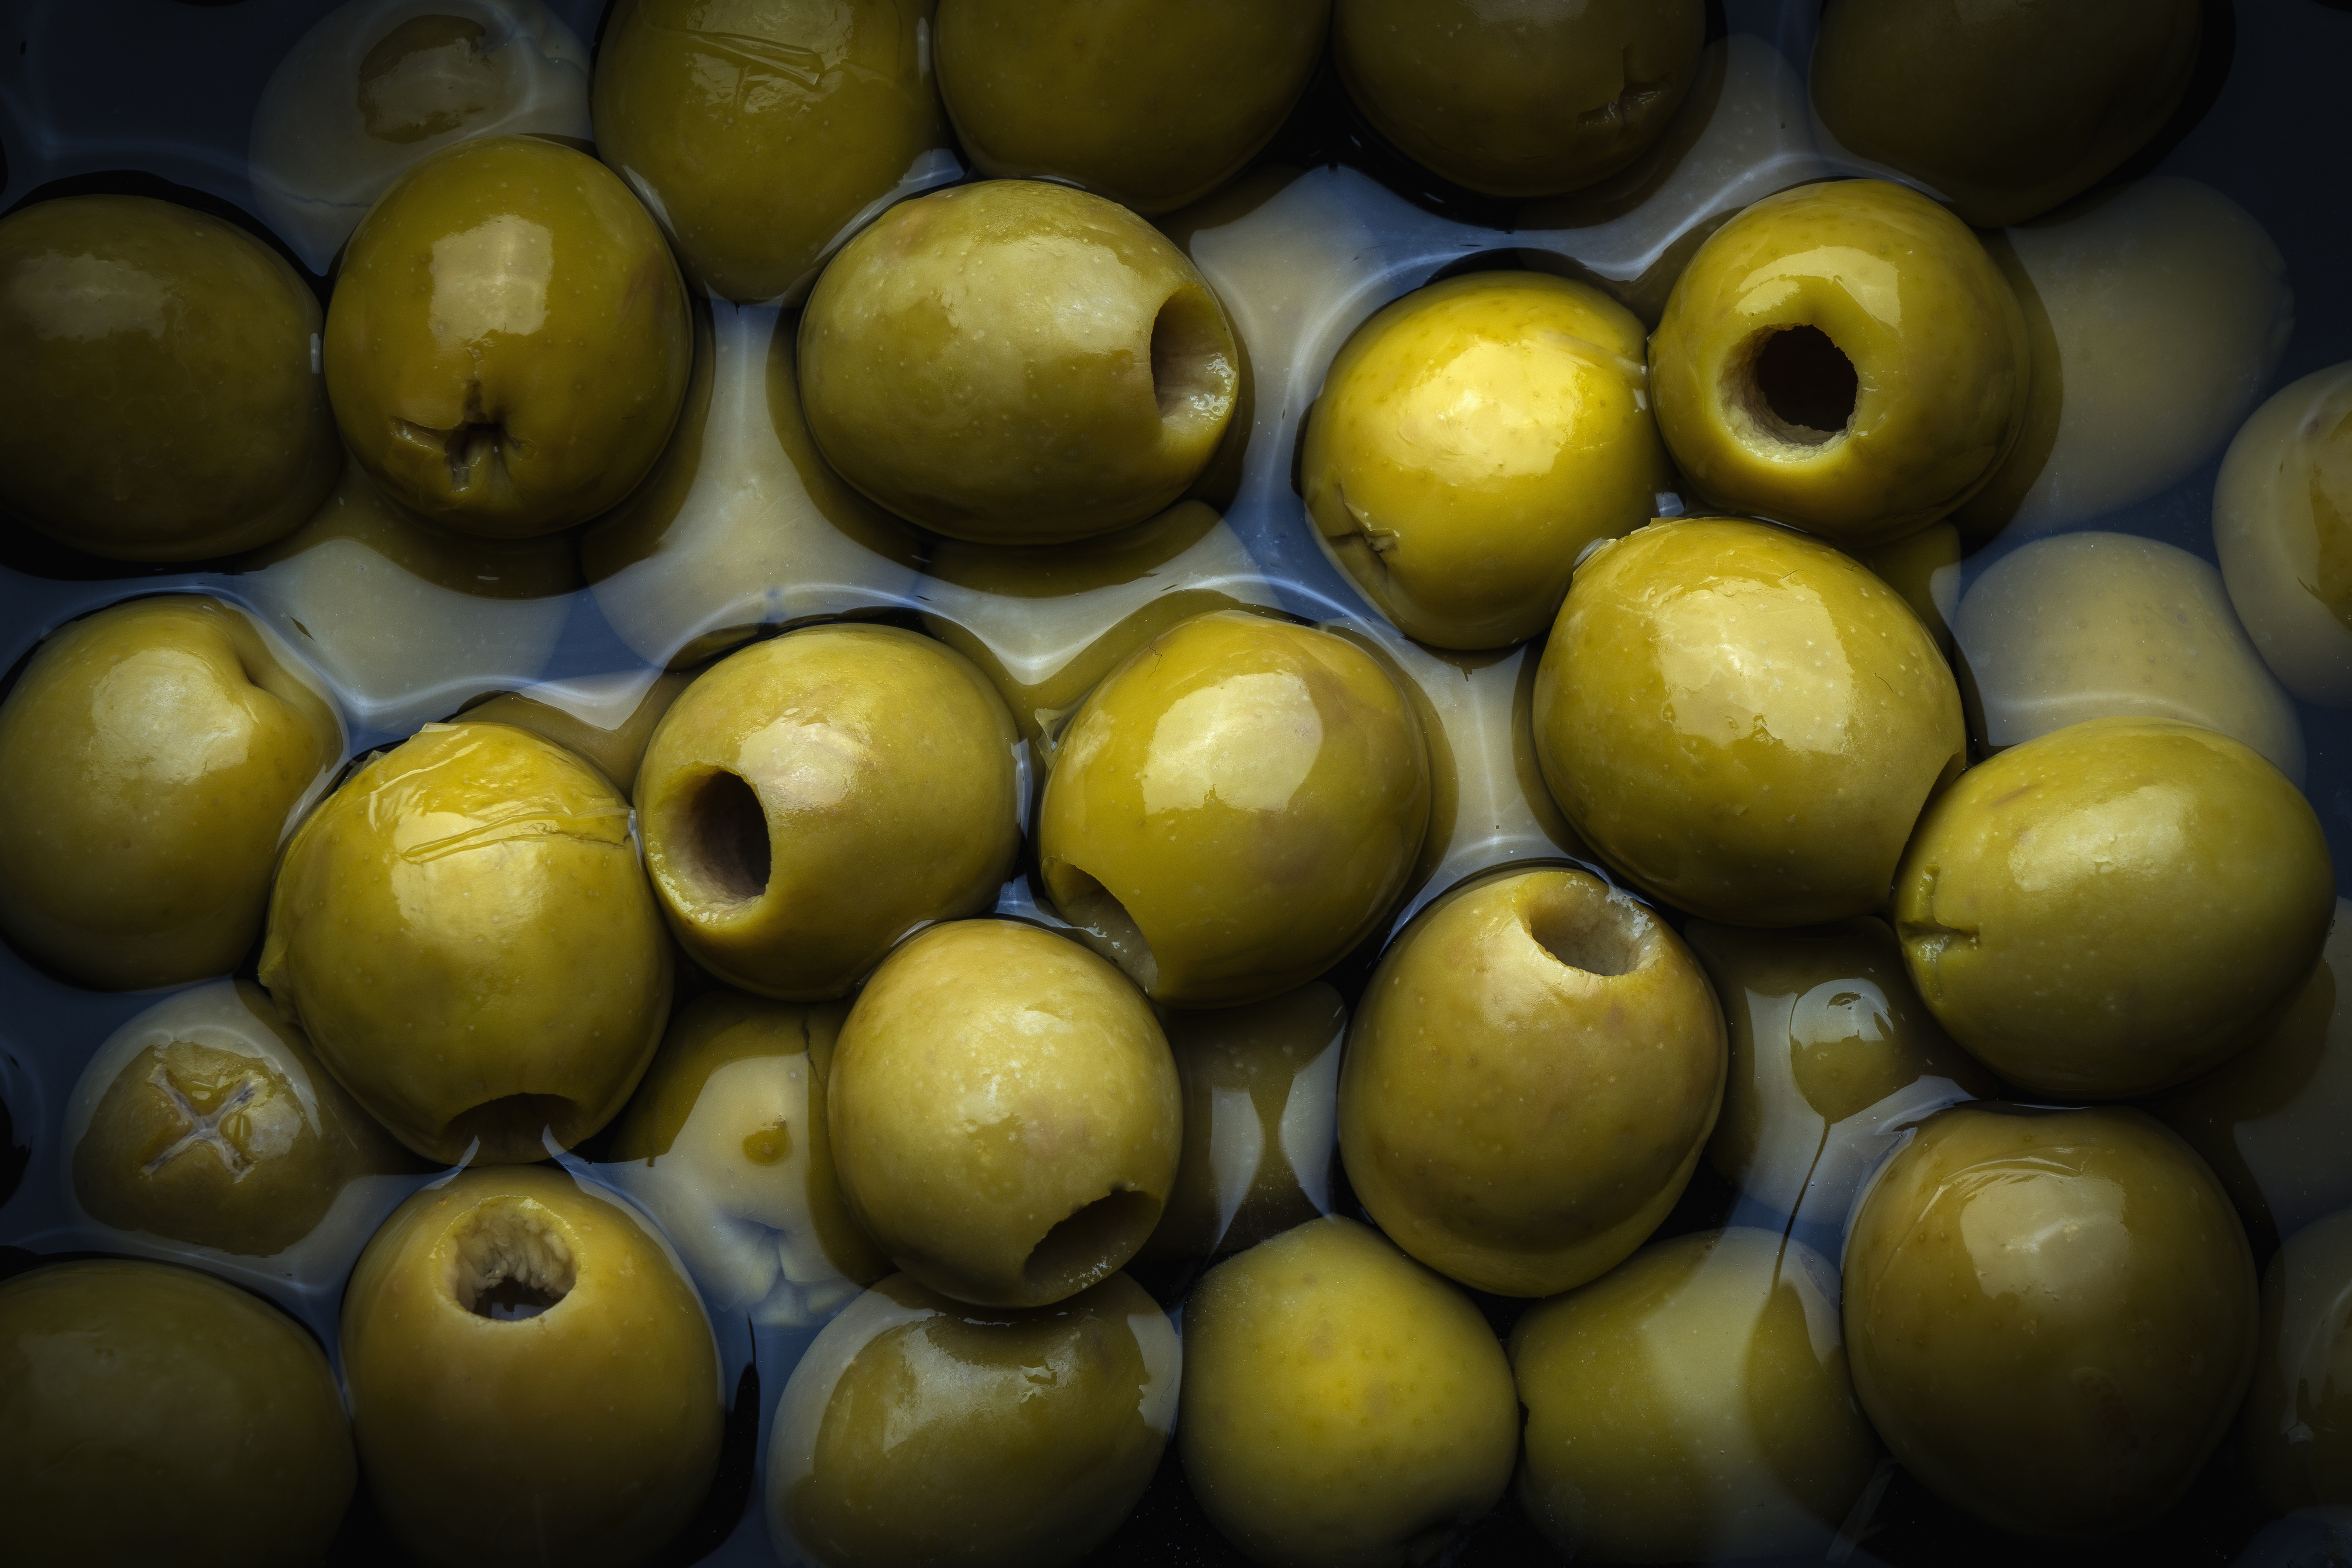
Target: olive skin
x=464, y=934
x=164, y=401
x=1150, y=104
x=1744, y=722
x=1343, y=1406
x=1471, y=440
x=508, y=344
x=2297, y=1429
x=758, y=168
x=2282, y=528
x=156, y=753
x=918, y=1431
x=811, y=799
x=1525, y=101
x=1003, y=1114
x=530, y=1374
x=2114, y=907
x=1843, y=358
x=140, y=1399
x=1529, y=1080
x=2077, y=1275
x=949, y=371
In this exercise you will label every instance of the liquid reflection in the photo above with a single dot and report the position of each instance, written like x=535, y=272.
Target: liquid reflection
x=2297, y=1427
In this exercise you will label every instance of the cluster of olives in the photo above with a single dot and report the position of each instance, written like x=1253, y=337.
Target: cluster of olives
x=997, y=925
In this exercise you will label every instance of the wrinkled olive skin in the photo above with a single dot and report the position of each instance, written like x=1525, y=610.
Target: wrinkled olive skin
x=586, y=1433
x=1471, y=439
x=2296, y=1431
x=2114, y=907
x=163, y=400
x=1234, y=807
x=2282, y=527
x=1150, y=104
x=508, y=344
x=1393, y=1433
x=154, y=755
x=464, y=934
x=917, y=1432
x=2005, y=110
x=762, y=133
x=1931, y=337
x=1531, y=1077
x=949, y=371
x=2076, y=1275
x=609, y=723
x=1744, y=722
x=141, y=1399
x=1004, y=1113
x=1692, y=1406
x=1530, y=99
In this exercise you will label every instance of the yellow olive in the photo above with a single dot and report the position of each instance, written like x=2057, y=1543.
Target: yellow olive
x=163, y=400
x=2114, y=907
x=508, y=344
x=1343, y=1406
x=1004, y=1112
x=530, y=1374
x=917, y=1432
x=763, y=134
x=2050, y=1317
x=1153, y=105
x=2282, y=527
x=811, y=799
x=606, y=720
x=725, y=1144
x=1525, y=100
x=1234, y=808
x=154, y=755
x=144, y=1399
x=1843, y=358
x=1016, y=362
x=1531, y=1076
x=1471, y=440
x=1743, y=721
x=1692, y=1404
x=1925, y=568
x=2297, y=1426
x=464, y=934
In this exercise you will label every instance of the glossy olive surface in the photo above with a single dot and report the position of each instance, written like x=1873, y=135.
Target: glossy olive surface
x=508, y=344
x=2282, y=527
x=1529, y=1079
x=1471, y=440
x=1843, y=358
x=163, y=400
x=2297, y=1426
x=2115, y=906
x=154, y=755
x=464, y=934
x=1743, y=721
x=919, y=1431
x=140, y=1397
x=2076, y=1275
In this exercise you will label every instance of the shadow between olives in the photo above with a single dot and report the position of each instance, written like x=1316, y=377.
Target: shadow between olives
x=513, y=1127
x=1091, y=1243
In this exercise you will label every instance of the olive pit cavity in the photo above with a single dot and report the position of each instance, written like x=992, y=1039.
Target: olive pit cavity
x=724, y=842
x=1190, y=373
x=509, y=1262
x=1092, y=1243
x=1796, y=384
x=1596, y=936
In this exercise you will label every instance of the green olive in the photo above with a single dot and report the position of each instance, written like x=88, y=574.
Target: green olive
x=2115, y=906
x=1925, y=568
x=164, y=401
x=2076, y=1276
x=1151, y=104
x=1342, y=1406
x=762, y=134
x=1843, y=358
x=918, y=1431
x=464, y=934
x=1525, y=100
x=1743, y=721
x=1692, y=1404
x=508, y=344
x=2297, y=1427
x=155, y=754
x=1016, y=362
x=141, y=1400
x=1234, y=808
x=811, y=799
x=606, y=720
x=1470, y=441
x=1532, y=1074
x=1004, y=1112
x=2282, y=527
x=532, y=1377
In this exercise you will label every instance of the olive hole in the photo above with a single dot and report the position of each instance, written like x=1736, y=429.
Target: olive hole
x=1191, y=375
x=1799, y=385
x=1598, y=936
x=514, y=1126
x=1092, y=1243
x=1104, y=925
x=511, y=1262
x=726, y=837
